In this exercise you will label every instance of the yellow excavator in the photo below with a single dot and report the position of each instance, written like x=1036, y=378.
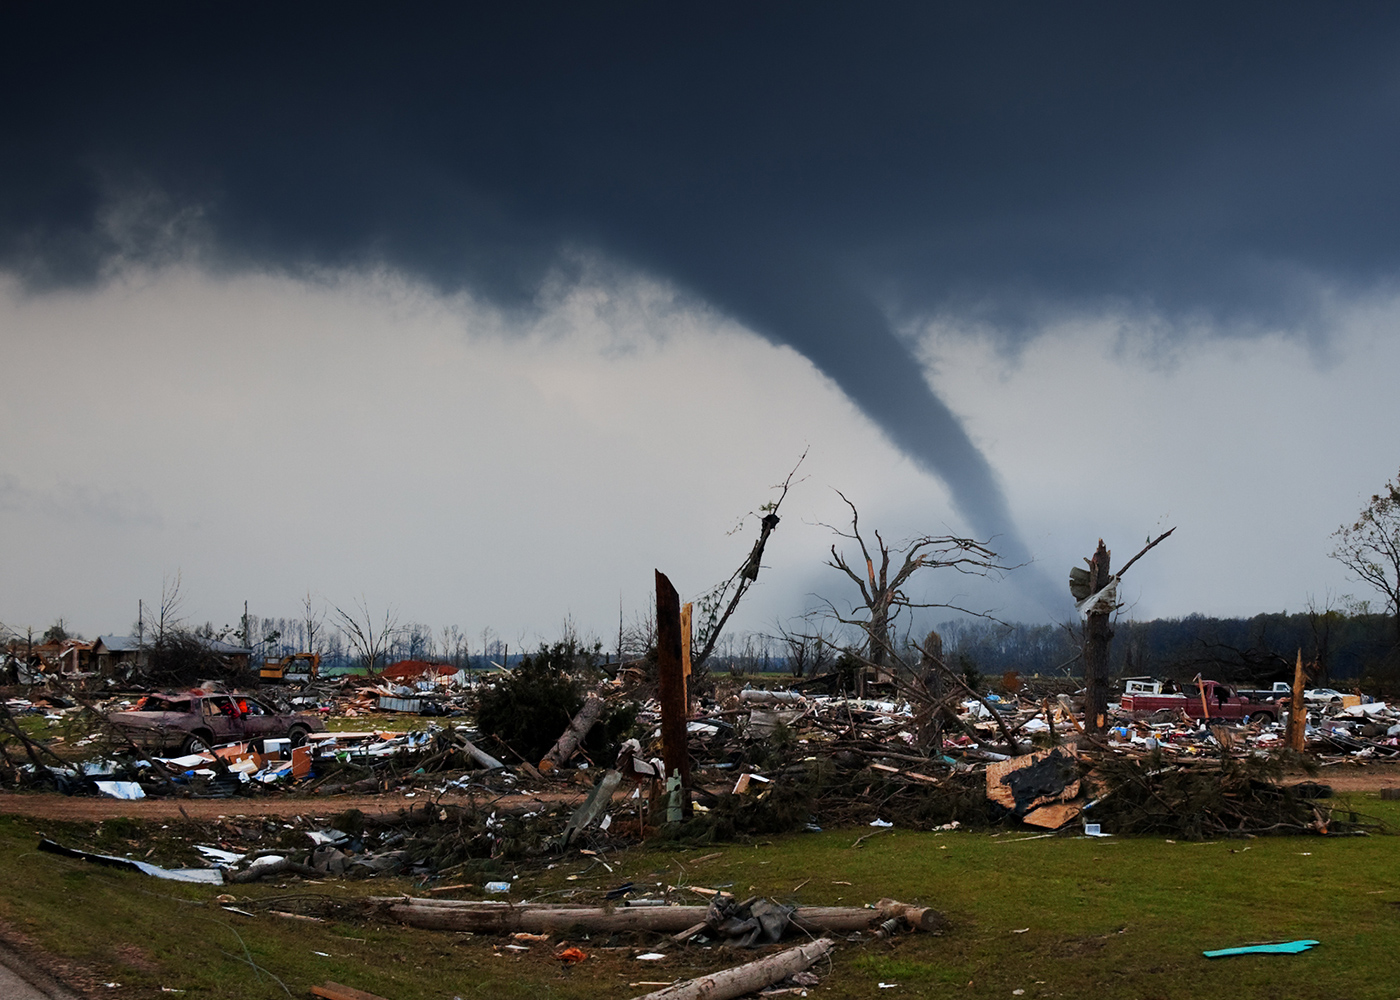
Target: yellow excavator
x=296, y=668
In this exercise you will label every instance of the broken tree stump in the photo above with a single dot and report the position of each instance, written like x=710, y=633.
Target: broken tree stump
x=671, y=686
x=1298, y=709
x=568, y=743
x=748, y=978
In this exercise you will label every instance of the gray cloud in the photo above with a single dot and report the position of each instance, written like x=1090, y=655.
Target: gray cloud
x=817, y=171
x=75, y=502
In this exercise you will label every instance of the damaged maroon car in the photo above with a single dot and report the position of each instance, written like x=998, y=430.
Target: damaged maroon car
x=193, y=722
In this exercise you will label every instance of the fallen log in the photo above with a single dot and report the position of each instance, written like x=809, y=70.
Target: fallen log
x=751, y=696
x=510, y=918
x=567, y=744
x=477, y=754
x=748, y=978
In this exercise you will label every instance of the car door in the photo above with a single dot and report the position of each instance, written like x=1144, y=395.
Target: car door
x=260, y=721
x=222, y=717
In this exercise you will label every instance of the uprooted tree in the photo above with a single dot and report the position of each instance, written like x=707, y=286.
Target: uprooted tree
x=883, y=587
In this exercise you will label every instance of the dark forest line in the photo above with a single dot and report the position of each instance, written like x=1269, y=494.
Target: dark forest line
x=1260, y=649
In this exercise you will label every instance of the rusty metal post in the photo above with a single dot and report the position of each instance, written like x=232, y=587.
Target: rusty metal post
x=670, y=678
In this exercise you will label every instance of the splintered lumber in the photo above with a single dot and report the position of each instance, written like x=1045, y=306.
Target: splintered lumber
x=492, y=917
x=748, y=978
x=567, y=744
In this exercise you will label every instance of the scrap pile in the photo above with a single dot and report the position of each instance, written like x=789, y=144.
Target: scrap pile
x=763, y=762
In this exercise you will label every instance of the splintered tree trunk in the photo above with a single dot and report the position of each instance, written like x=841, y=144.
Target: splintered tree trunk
x=569, y=740
x=1298, y=710
x=1097, y=636
x=671, y=684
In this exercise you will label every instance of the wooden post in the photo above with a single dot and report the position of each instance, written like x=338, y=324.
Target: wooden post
x=671, y=684
x=1298, y=709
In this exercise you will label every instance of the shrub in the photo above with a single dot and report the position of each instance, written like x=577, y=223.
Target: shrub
x=529, y=707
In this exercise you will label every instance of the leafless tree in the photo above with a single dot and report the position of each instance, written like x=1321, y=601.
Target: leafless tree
x=807, y=647
x=370, y=641
x=168, y=616
x=313, y=621
x=1370, y=547
x=887, y=572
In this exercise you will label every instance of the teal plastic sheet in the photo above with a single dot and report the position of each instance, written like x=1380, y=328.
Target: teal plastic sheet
x=1281, y=948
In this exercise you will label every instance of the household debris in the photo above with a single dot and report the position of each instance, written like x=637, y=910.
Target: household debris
x=212, y=876
x=765, y=761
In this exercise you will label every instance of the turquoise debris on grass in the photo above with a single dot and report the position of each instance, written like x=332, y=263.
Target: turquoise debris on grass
x=1282, y=948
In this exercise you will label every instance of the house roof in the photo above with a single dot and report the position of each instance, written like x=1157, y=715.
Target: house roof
x=416, y=668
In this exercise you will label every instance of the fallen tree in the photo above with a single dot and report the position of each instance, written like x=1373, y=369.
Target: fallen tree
x=542, y=918
x=567, y=744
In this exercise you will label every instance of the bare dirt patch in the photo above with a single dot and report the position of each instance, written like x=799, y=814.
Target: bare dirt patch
x=82, y=809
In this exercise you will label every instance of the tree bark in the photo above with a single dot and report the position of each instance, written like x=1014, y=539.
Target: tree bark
x=567, y=744
x=1098, y=634
x=671, y=684
x=748, y=978
x=508, y=918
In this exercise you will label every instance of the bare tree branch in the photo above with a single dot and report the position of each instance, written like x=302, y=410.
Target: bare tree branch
x=369, y=640
x=882, y=597
x=711, y=618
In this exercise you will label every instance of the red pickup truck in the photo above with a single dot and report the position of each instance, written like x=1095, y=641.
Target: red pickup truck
x=1204, y=700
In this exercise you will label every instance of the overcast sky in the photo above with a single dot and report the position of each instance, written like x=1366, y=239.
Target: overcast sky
x=483, y=315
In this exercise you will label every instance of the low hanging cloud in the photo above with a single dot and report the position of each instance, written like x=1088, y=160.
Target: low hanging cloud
x=827, y=177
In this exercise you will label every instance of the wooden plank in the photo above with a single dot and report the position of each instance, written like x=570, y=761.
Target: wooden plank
x=1053, y=816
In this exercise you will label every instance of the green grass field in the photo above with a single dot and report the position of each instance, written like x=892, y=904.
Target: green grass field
x=1053, y=917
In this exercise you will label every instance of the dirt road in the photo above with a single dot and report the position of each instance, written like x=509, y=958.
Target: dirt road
x=83, y=809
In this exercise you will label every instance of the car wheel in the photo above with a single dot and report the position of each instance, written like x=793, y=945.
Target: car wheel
x=1262, y=718
x=194, y=743
x=297, y=734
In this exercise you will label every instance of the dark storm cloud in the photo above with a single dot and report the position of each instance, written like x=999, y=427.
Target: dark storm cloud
x=794, y=164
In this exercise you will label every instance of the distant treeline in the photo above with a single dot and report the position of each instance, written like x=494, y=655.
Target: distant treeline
x=1259, y=649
